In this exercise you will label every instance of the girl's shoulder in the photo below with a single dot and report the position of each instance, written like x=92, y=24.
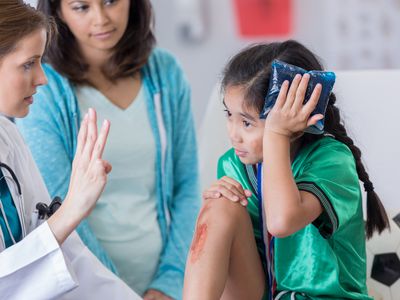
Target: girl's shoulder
x=326, y=146
x=324, y=152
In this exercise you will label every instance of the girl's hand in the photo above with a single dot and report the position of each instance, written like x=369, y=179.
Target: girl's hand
x=228, y=188
x=155, y=295
x=88, y=178
x=289, y=116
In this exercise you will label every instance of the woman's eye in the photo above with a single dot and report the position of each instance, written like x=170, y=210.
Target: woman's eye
x=80, y=8
x=109, y=2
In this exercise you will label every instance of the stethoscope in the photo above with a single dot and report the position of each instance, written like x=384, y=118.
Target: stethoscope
x=44, y=211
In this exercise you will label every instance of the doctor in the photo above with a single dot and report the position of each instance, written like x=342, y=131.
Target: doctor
x=39, y=258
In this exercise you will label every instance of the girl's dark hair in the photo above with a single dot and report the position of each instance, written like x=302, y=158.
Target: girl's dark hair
x=251, y=70
x=17, y=20
x=131, y=52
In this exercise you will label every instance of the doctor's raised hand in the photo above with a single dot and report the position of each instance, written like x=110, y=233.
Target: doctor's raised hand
x=88, y=178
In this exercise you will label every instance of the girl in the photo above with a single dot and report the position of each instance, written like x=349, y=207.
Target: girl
x=306, y=192
x=104, y=57
x=42, y=259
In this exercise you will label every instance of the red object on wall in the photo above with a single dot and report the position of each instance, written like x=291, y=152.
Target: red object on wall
x=260, y=18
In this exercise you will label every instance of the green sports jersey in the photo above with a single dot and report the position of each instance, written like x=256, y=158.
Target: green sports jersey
x=326, y=259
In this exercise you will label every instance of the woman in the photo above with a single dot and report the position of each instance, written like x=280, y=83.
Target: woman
x=44, y=259
x=104, y=58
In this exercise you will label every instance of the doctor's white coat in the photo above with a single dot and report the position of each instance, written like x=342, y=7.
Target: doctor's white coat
x=37, y=267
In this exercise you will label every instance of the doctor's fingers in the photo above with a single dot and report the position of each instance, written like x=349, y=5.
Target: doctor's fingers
x=91, y=137
x=107, y=166
x=101, y=140
x=82, y=135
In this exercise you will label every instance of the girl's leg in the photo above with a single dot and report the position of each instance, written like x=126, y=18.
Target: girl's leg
x=223, y=262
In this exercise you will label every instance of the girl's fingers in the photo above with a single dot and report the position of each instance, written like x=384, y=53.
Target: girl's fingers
x=312, y=103
x=101, y=140
x=248, y=193
x=314, y=119
x=292, y=94
x=233, y=186
x=211, y=195
x=280, y=101
x=301, y=92
x=227, y=193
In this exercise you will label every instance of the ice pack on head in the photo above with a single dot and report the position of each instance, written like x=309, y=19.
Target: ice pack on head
x=282, y=71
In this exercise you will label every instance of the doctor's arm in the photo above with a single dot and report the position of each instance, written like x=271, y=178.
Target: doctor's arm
x=88, y=178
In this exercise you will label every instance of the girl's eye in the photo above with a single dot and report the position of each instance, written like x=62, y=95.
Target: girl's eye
x=28, y=65
x=246, y=123
x=227, y=113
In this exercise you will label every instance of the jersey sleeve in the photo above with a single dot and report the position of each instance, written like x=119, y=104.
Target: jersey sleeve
x=329, y=173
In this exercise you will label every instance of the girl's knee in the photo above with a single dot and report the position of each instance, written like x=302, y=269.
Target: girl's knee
x=222, y=211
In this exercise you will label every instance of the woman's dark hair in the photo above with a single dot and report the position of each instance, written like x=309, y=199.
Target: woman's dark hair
x=131, y=52
x=17, y=20
x=251, y=70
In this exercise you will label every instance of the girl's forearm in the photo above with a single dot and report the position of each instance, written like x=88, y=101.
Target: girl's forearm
x=282, y=200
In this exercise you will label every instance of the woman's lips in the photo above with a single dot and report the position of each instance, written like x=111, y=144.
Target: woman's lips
x=103, y=35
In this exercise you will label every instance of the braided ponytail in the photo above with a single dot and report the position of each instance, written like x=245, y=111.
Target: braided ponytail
x=377, y=219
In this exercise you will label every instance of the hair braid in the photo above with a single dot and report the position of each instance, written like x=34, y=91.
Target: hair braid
x=377, y=219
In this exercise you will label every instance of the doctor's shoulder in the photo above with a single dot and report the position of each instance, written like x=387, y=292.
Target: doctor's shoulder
x=11, y=140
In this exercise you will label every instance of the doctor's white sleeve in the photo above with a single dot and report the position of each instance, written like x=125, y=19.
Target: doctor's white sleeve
x=37, y=268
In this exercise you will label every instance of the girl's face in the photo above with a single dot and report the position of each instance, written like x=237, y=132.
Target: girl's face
x=97, y=25
x=21, y=73
x=245, y=128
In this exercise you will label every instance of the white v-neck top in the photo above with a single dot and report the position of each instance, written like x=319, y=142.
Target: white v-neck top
x=125, y=217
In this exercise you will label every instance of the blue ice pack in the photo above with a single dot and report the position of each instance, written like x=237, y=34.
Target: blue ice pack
x=282, y=71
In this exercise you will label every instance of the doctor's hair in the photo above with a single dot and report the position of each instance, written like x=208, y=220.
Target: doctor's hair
x=251, y=70
x=17, y=20
x=130, y=53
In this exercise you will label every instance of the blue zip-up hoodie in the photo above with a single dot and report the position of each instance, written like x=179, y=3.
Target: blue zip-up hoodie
x=51, y=130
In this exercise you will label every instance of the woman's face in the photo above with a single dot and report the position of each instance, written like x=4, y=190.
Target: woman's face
x=97, y=25
x=21, y=73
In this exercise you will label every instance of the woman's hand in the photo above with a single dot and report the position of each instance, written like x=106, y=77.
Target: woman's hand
x=289, y=116
x=88, y=178
x=155, y=295
x=228, y=188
